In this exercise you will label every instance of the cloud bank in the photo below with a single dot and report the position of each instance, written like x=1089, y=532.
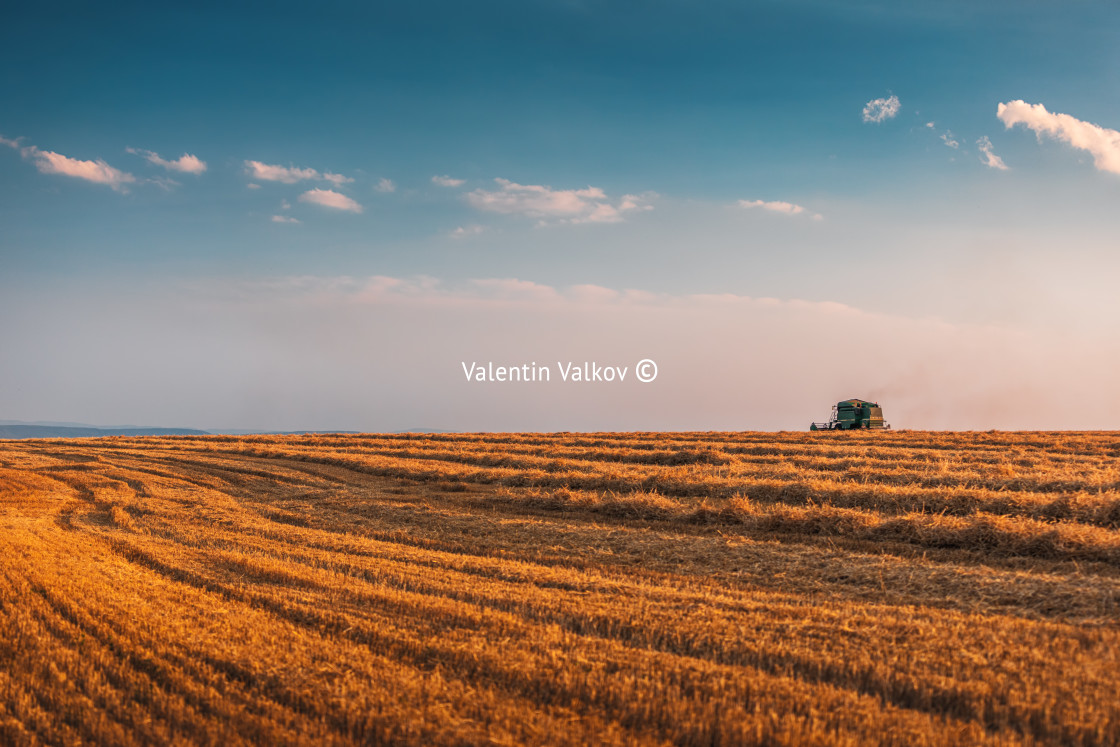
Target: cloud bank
x=385, y=353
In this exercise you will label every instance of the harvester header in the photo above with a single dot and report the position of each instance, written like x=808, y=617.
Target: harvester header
x=853, y=414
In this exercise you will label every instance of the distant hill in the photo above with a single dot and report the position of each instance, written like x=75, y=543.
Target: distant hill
x=247, y=432
x=64, y=431
x=50, y=429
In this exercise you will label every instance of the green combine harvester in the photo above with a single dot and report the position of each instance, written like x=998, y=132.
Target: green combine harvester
x=853, y=414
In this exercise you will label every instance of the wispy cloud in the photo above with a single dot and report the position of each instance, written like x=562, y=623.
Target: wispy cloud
x=878, y=110
x=163, y=182
x=426, y=290
x=990, y=159
x=636, y=202
x=385, y=186
x=186, y=163
x=464, y=231
x=290, y=174
x=331, y=199
x=589, y=205
x=777, y=206
x=49, y=162
x=946, y=137
x=447, y=181
x=1102, y=143
x=284, y=219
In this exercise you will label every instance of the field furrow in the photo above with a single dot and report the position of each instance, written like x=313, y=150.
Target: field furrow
x=693, y=589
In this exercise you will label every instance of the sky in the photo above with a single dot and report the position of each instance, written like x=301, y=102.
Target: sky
x=281, y=217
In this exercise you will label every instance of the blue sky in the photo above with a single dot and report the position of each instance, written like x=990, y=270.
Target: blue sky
x=232, y=163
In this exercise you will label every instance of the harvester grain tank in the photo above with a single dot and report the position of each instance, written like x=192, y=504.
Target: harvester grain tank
x=853, y=414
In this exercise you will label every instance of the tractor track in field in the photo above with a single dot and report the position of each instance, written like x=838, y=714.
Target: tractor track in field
x=893, y=588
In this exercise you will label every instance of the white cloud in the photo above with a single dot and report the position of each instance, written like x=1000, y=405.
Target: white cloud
x=284, y=219
x=589, y=205
x=1102, y=143
x=931, y=125
x=385, y=186
x=464, y=231
x=990, y=159
x=287, y=175
x=330, y=198
x=252, y=185
x=447, y=181
x=290, y=174
x=777, y=206
x=186, y=163
x=97, y=171
x=49, y=162
x=878, y=110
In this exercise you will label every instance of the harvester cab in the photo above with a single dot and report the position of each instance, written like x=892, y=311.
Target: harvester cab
x=852, y=414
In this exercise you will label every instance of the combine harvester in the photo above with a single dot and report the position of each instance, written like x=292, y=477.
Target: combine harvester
x=852, y=414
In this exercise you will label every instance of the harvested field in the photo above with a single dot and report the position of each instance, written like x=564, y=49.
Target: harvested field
x=715, y=588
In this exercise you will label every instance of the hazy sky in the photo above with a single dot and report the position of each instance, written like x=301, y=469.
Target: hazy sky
x=285, y=216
